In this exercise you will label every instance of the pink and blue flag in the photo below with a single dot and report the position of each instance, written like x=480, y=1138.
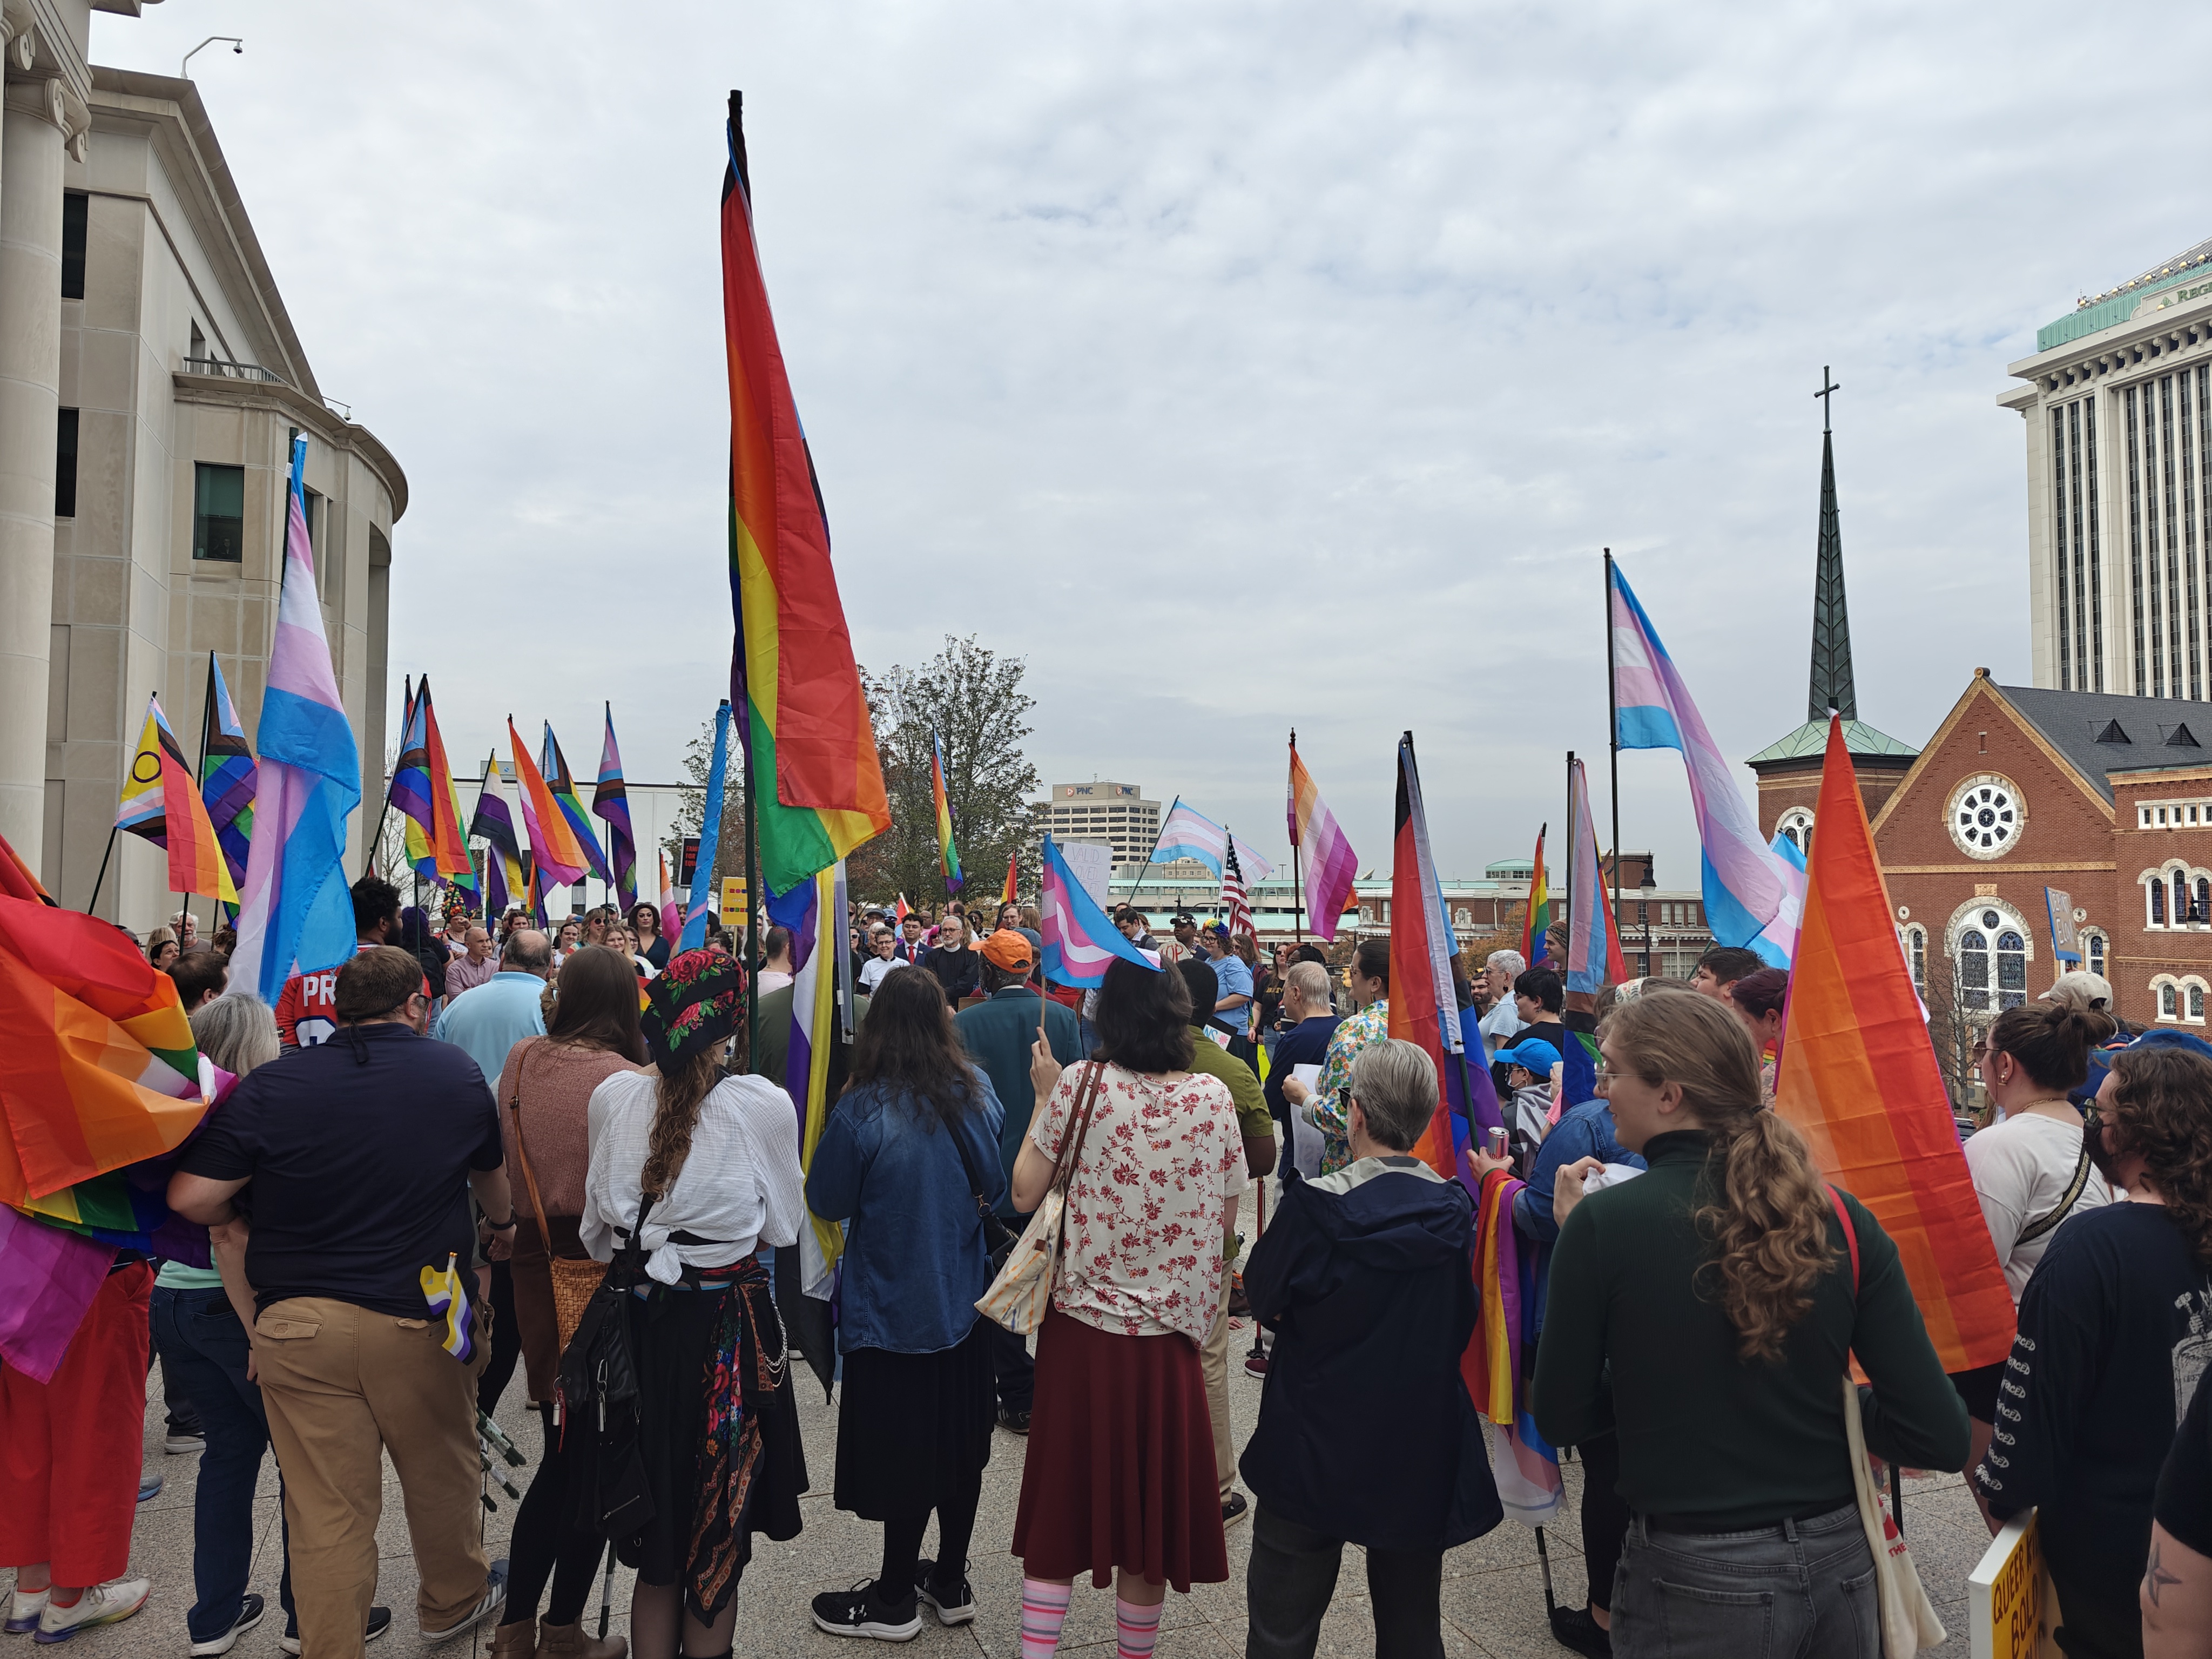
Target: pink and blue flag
x=1186, y=832
x=1079, y=943
x=1594, y=958
x=295, y=912
x=1743, y=885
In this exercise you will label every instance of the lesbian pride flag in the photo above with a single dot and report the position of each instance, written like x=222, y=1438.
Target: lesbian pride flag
x=1330, y=863
x=296, y=911
x=1859, y=1079
x=1743, y=888
x=1079, y=943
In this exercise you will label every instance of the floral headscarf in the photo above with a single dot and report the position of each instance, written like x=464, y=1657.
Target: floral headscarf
x=697, y=999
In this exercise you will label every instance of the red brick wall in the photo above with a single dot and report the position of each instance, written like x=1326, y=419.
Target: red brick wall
x=2141, y=953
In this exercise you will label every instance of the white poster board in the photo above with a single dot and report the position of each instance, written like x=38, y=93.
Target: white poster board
x=2010, y=1605
x=1091, y=865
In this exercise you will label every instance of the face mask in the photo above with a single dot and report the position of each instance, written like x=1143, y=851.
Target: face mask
x=2096, y=1137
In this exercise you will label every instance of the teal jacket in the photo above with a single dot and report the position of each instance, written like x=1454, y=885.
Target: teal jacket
x=998, y=1034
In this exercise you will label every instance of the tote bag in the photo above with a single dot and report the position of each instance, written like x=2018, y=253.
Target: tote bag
x=1022, y=1293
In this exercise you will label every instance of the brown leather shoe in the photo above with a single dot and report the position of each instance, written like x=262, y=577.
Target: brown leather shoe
x=516, y=1641
x=569, y=1641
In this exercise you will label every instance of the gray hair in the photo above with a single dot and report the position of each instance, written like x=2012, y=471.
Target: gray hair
x=1311, y=981
x=237, y=1032
x=528, y=951
x=1396, y=1084
x=1512, y=962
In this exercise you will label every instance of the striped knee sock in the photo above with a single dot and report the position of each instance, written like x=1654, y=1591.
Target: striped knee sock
x=1044, y=1610
x=1136, y=1630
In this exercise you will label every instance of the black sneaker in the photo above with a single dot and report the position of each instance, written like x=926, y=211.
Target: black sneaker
x=379, y=1620
x=1235, y=1509
x=1573, y=1627
x=953, y=1603
x=249, y=1615
x=857, y=1612
x=1014, y=1422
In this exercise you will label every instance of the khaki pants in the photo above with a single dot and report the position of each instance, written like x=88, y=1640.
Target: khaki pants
x=1213, y=1366
x=343, y=1385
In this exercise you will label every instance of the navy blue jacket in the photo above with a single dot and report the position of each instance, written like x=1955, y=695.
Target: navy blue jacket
x=1305, y=1043
x=1583, y=1131
x=915, y=1261
x=1366, y=1278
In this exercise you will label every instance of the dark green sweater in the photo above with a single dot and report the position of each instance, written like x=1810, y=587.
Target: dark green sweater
x=1630, y=1343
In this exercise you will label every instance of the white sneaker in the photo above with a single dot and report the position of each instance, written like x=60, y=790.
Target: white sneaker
x=23, y=1611
x=102, y=1604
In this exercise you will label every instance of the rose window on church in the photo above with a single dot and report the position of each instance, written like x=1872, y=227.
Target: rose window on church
x=1986, y=816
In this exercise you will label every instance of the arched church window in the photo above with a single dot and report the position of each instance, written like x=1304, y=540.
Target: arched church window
x=2094, y=948
x=2196, y=1003
x=2204, y=901
x=2180, y=898
x=1919, y=941
x=2012, y=970
x=2166, y=1004
x=2157, y=901
x=1974, y=968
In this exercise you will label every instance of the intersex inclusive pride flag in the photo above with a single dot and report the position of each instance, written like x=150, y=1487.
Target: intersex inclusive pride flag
x=423, y=789
x=948, y=856
x=1080, y=944
x=562, y=784
x=555, y=856
x=505, y=882
x=1330, y=863
x=295, y=912
x=161, y=802
x=1859, y=1079
x=227, y=777
x=818, y=786
x=1743, y=887
x=610, y=805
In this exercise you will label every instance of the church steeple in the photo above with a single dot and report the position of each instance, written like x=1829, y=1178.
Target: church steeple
x=1832, y=623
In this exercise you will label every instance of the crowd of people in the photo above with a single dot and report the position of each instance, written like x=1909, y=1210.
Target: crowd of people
x=478, y=1148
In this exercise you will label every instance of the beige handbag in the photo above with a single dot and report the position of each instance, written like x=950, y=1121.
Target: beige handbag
x=573, y=1277
x=1022, y=1293
x=1908, y=1621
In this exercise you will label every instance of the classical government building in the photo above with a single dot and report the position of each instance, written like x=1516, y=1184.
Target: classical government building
x=150, y=384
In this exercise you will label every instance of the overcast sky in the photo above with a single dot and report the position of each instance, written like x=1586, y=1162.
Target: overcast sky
x=1237, y=366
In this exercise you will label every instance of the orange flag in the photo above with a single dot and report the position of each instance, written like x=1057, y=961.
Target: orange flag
x=1859, y=1079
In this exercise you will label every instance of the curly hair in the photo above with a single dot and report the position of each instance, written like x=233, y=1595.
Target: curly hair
x=678, y=1098
x=1766, y=1210
x=2161, y=1107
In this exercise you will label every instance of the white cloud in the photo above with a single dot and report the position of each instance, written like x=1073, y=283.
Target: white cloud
x=1241, y=366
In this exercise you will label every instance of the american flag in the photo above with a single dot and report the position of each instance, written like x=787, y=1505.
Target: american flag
x=1236, y=904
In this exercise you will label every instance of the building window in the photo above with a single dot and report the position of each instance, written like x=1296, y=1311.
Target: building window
x=75, y=205
x=2181, y=915
x=1974, y=968
x=2092, y=951
x=2157, y=901
x=2196, y=1005
x=1643, y=964
x=65, y=464
x=1916, y=944
x=2012, y=970
x=219, y=513
x=2203, y=911
x=2167, y=1003
x=1796, y=825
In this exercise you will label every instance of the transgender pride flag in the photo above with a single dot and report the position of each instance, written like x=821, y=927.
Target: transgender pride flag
x=1744, y=887
x=295, y=912
x=1079, y=943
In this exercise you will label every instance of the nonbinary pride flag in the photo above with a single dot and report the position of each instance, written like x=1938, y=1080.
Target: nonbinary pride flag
x=295, y=912
x=818, y=786
x=1859, y=1079
x=1079, y=943
x=161, y=802
x=1330, y=863
x=1742, y=886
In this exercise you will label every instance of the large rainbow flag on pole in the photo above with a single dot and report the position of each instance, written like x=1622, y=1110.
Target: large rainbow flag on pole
x=1331, y=866
x=610, y=805
x=296, y=911
x=227, y=777
x=1743, y=887
x=505, y=881
x=555, y=859
x=1858, y=1077
x=1538, y=921
x=948, y=856
x=422, y=790
x=816, y=783
x=563, y=784
x=161, y=802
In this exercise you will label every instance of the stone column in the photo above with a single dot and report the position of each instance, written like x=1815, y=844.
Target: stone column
x=31, y=134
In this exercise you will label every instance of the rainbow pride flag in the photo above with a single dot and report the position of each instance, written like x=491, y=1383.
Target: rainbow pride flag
x=563, y=785
x=611, y=805
x=161, y=803
x=1524, y=1466
x=1331, y=866
x=228, y=777
x=1859, y=1079
x=423, y=789
x=556, y=857
x=1540, y=907
x=818, y=783
x=948, y=856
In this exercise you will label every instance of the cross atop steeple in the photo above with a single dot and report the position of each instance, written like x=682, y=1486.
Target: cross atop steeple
x=1829, y=387
x=1831, y=685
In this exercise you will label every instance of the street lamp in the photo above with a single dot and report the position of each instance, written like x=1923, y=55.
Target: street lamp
x=184, y=69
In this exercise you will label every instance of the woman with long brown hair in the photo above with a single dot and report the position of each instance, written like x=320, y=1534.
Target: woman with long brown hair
x=545, y=1095
x=919, y=1395
x=1706, y=1311
x=702, y=1170
x=2115, y=1340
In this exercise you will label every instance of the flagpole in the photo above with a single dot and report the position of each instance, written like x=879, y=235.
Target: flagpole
x=1612, y=737
x=1298, y=882
x=199, y=781
x=102, y=876
x=1131, y=902
x=376, y=850
x=1572, y=826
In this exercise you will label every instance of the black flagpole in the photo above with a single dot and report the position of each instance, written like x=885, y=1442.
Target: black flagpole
x=1612, y=737
x=1297, y=881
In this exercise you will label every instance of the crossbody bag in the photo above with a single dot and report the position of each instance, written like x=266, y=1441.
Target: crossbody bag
x=575, y=1277
x=2067, y=1200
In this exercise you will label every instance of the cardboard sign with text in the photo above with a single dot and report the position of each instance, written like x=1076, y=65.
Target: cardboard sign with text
x=2009, y=1599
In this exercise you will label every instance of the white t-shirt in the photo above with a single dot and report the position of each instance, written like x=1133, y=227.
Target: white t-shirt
x=2022, y=1167
x=873, y=969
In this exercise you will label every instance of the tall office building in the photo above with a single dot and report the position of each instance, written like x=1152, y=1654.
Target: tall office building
x=1112, y=815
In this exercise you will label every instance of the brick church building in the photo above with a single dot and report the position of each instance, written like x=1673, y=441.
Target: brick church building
x=2105, y=799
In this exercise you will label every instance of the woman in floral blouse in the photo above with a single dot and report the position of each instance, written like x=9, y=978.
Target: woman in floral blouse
x=1119, y=1478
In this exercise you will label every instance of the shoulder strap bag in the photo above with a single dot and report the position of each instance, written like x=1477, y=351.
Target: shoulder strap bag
x=575, y=1277
x=1022, y=1293
x=998, y=1237
x=2067, y=1200
x=1908, y=1621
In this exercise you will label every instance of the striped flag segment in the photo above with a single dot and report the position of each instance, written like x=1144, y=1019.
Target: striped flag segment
x=948, y=856
x=1859, y=1079
x=505, y=882
x=817, y=784
x=1013, y=876
x=161, y=802
x=710, y=837
x=1538, y=921
x=1594, y=958
x=228, y=777
x=1236, y=902
x=296, y=911
x=555, y=859
x=1079, y=942
x=814, y=1033
x=1186, y=833
x=610, y=805
x=422, y=790
x=1743, y=889
x=1331, y=866
x=562, y=784
x=671, y=917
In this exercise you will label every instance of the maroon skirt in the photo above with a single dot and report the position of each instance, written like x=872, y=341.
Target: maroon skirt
x=1118, y=1471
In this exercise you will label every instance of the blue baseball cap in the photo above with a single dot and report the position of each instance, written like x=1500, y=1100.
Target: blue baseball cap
x=1534, y=1054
